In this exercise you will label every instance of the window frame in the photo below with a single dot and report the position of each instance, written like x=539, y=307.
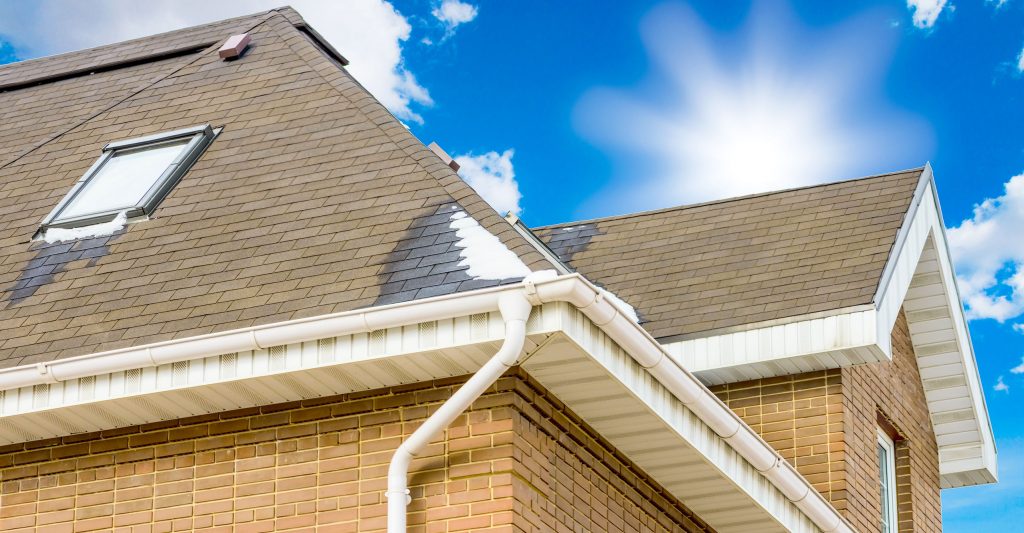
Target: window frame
x=887, y=480
x=201, y=137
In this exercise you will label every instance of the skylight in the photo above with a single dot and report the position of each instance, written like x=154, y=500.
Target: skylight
x=130, y=177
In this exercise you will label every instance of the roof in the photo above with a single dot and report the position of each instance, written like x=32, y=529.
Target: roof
x=729, y=263
x=314, y=199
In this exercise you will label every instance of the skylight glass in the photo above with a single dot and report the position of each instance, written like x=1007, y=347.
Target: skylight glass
x=123, y=181
x=130, y=177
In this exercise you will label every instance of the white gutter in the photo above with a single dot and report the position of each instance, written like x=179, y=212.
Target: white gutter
x=253, y=338
x=647, y=352
x=515, y=309
x=538, y=288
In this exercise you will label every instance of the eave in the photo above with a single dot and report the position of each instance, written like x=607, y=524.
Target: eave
x=430, y=339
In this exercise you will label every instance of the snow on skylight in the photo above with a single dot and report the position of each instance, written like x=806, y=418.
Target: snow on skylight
x=484, y=253
x=54, y=235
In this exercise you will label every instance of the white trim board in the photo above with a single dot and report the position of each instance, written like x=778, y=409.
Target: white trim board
x=600, y=382
x=564, y=350
x=919, y=278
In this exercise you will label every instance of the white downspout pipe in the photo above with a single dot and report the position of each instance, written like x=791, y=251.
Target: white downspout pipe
x=515, y=310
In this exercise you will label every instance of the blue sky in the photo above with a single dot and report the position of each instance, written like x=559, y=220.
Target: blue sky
x=568, y=110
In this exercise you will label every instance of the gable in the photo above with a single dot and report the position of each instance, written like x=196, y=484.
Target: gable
x=917, y=278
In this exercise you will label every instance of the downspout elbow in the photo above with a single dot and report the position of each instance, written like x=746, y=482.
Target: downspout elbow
x=515, y=310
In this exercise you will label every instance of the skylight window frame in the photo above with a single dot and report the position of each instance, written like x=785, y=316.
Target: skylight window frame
x=201, y=137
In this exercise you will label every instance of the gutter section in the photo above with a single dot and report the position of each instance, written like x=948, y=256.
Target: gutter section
x=254, y=338
x=538, y=288
x=647, y=352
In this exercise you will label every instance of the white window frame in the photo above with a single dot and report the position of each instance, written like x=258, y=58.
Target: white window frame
x=201, y=137
x=887, y=474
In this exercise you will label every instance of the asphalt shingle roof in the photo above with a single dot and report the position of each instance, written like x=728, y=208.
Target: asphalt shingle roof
x=700, y=268
x=314, y=199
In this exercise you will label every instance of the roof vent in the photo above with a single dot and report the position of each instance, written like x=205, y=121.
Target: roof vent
x=439, y=152
x=235, y=46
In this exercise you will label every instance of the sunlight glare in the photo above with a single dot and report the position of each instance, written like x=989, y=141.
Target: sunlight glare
x=746, y=112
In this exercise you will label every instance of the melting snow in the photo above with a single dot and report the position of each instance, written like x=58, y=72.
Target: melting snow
x=485, y=255
x=541, y=275
x=53, y=235
x=621, y=305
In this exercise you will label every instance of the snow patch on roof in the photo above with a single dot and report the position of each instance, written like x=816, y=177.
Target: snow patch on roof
x=621, y=305
x=104, y=229
x=484, y=253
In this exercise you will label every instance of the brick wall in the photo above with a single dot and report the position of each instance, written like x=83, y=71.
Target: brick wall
x=825, y=423
x=801, y=416
x=518, y=461
x=893, y=390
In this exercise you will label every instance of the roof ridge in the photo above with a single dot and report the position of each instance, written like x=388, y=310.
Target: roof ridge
x=34, y=64
x=724, y=200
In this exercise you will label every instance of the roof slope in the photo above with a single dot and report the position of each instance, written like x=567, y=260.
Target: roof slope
x=746, y=260
x=314, y=199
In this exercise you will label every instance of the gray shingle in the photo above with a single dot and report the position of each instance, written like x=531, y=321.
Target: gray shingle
x=745, y=260
x=313, y=194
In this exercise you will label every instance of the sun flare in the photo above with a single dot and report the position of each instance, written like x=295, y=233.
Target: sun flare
x=744, y=113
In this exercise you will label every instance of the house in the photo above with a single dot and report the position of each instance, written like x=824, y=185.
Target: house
x=237, y=294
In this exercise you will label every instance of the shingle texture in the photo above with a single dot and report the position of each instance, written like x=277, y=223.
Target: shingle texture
x=734, y=262
x=314, y=199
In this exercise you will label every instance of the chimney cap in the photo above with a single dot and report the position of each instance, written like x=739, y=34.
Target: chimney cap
x=234, y=46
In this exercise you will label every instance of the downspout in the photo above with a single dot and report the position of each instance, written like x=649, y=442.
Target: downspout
x=515, y=310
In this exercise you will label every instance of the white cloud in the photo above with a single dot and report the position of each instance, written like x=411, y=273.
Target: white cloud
x=493, y=177
x=769, y=106
x=1019, y=369
x=1000, y=386
x=926, y=12
x=1020, y=61
x=1019, y=327
x=369, y=33
x=998, y=3
x=453, y=13
x=989, y=255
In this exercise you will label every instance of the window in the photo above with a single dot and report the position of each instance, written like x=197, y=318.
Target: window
x=887, y=477
x=130, y=176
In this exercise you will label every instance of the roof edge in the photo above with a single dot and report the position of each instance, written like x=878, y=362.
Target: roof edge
x=901, y=234
x=724, y=200
x=113, y=63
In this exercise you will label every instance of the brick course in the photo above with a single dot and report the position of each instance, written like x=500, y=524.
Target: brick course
x=519, y=460
x=825, y=423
